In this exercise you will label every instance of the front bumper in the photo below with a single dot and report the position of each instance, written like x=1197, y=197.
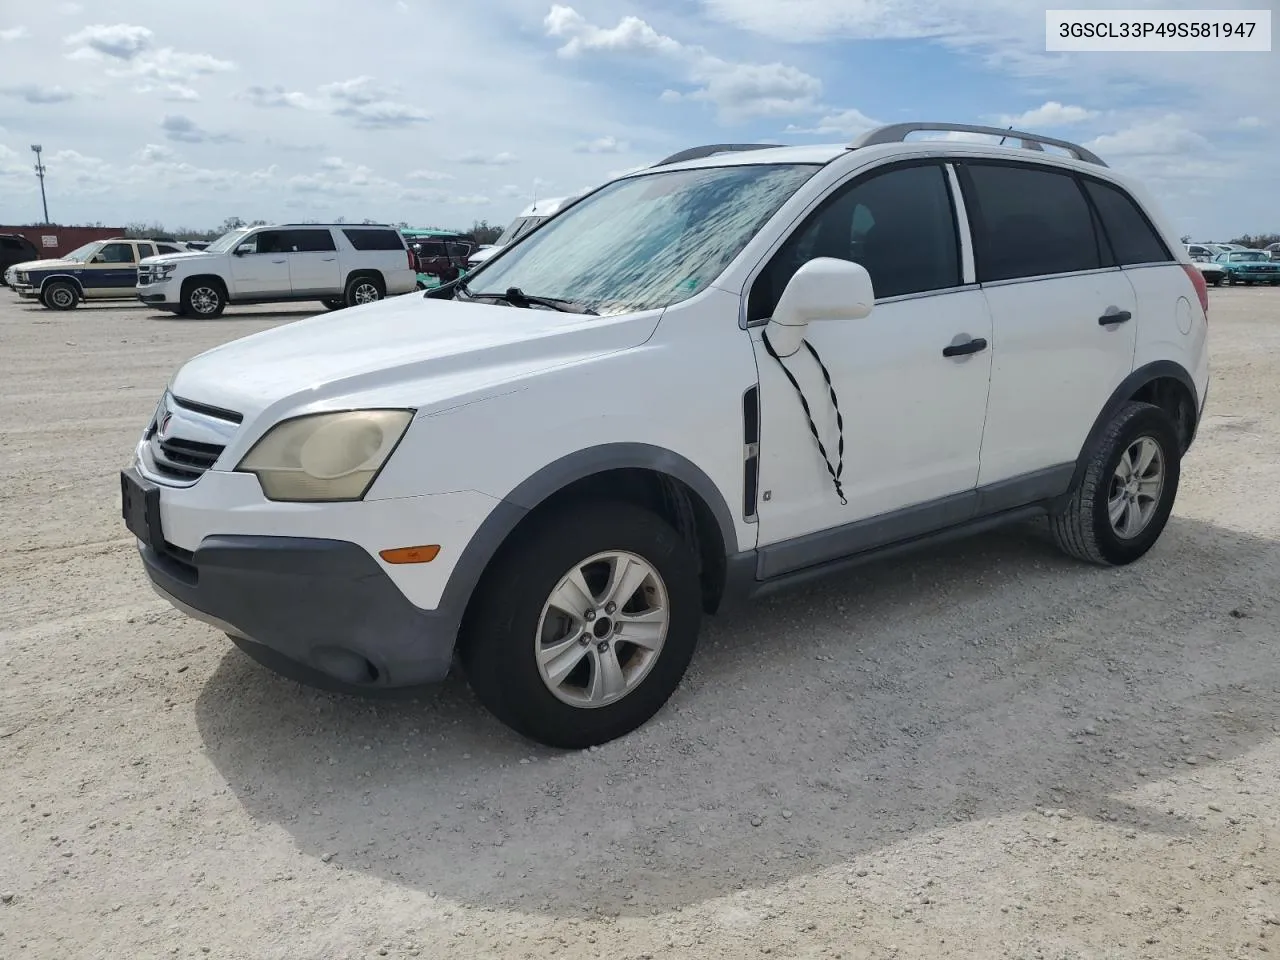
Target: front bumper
x=159, y=294
x=320, y=611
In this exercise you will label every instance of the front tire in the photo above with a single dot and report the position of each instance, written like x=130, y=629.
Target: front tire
x=204, y=299
x=584, y=626
x=60, y=295
x=1123, y=502
x=362, y=290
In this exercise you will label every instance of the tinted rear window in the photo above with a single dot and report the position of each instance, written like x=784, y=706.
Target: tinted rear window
x=308, y=241
x=1030, y=222
x=375, y=239
x=1131, y=236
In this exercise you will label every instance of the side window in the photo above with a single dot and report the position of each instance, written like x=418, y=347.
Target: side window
x=432, y=248
x=165, y=248
x=1133, y=238
x=458, y=249
x=117, y=253
x=1028, y=222
x=146, y=250
x=7, y=243
x=372, y=239
x=268, y=241
x=308, y=241
x=899, y=224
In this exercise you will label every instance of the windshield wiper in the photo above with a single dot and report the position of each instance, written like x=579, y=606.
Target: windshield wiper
x=518, y=298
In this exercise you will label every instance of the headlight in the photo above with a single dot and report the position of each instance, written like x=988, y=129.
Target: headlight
x=162, y=271
x=325, y=456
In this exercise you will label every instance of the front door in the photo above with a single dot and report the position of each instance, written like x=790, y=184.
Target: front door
x=912, y=414
x=1064, y=313
x=313, y=262
x=111, y=272
x=260, y=266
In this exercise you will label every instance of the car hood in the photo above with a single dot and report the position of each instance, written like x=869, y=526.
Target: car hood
x=406, y=351
x=49, y=265
x=184, y=255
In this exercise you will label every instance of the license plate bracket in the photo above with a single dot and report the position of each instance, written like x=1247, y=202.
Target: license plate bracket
x=140, y=507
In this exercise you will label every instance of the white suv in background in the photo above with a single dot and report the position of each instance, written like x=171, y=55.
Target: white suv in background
x=554, y=466
x=340, y=265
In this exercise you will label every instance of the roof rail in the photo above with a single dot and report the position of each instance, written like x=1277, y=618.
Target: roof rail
x=334, y=225
x=898, y=132
x=711, y=149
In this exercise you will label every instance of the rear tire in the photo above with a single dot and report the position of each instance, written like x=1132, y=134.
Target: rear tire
x=1121, y=506
x=334, y=303
x=574, y=680
x=60, y=295
x=364, y=289
x=203, y=298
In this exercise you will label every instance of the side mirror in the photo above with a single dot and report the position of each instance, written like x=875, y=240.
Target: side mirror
x=240, y=251
x=98, y=258
x=822, y=289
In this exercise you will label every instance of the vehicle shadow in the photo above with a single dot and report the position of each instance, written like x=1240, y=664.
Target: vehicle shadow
x=980, y=679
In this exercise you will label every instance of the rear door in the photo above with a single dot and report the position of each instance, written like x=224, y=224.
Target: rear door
x=1064, y=317
x=313, y=262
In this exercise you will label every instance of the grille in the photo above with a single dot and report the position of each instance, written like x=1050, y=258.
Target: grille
x=185, y=459
x=180, y=458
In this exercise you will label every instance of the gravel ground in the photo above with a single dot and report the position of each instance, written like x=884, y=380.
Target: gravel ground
x=984, y=751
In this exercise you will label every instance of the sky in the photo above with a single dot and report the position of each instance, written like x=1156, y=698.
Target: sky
x=442, y=113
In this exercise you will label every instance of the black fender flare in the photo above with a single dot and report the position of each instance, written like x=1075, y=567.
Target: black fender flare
x=1139, y=378
x=557, y=475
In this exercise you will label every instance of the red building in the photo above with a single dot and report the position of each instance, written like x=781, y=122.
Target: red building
x=53, y=241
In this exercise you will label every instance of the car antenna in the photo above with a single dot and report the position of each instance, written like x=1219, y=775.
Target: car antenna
x=1003, y=139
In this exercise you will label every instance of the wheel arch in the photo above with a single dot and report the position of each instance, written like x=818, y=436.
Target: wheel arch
x=66, y=277
x=195, y=278
x=370, y=272
x=1164, y=383
x=652, y=476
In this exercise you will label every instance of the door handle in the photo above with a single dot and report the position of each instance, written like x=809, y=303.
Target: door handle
x=279, y=261
x=1120, y=316
x=976, y=345
x=330, y=259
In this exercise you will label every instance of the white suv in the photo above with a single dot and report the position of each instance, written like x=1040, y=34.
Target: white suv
x=340, y=265
x=705, y=380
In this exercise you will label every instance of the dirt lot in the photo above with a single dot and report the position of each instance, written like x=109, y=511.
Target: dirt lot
x=987, y=751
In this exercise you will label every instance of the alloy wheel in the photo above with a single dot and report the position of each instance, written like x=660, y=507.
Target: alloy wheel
x=602, y=629
x=1136, y=486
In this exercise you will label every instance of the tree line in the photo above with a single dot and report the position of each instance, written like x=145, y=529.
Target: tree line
x=481, y=231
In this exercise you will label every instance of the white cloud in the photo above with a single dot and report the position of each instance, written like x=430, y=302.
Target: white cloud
x=276, y=96
x=365, y=103
x=1252, y=123
x=511, y=190
x=846, y=123
x=121, y=41
x=13, y=33
x=156, y=153
x=182, y=128
x=738, y=90
x=469, y=200
x=38, y=94
x=429, y=176
x=1051, y=114
x=601, y=145
x=131, y=52
x=475, y=159
x=1165, y=136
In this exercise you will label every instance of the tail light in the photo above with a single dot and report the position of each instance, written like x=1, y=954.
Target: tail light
x=1202, y=288
x=409, y=253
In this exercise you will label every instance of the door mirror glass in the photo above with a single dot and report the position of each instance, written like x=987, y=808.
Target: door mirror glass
x=98, y=258
x=822, y=289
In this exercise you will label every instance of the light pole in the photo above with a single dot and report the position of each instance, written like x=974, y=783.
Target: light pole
x=36, y=148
